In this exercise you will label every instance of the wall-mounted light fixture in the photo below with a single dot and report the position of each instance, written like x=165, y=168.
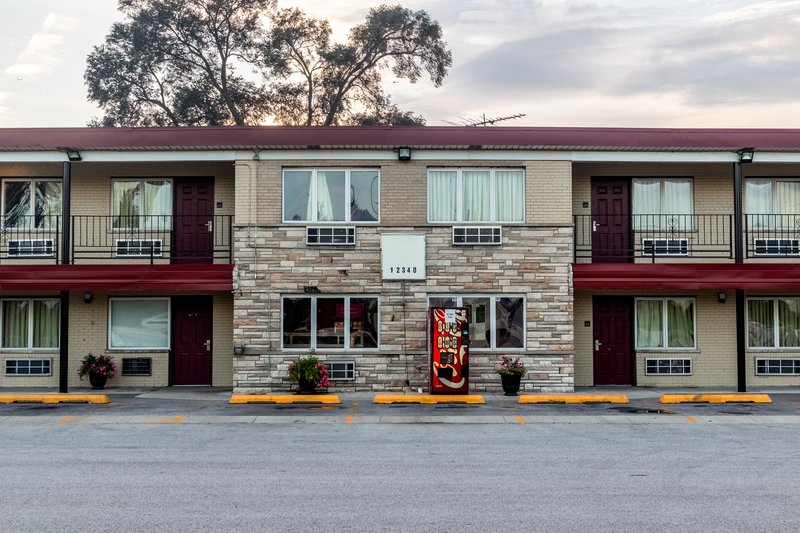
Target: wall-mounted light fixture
x=309, y=289
x=87, y=297
x=721, y=297
x=746, y=155
x=238, y=348
x=404, y=153
x=73, y=155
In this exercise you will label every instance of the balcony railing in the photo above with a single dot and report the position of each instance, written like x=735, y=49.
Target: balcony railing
x=645, y=237
x=103, y=238
x=775, y=236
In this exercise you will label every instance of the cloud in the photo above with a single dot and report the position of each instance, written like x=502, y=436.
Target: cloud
x=41, y=54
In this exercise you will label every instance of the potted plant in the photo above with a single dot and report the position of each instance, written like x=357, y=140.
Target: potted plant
x=100, y=369
x=309, y=373
x=511, y=371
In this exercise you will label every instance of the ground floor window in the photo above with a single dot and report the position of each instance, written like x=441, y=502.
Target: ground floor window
x=138, y=323
x=330, y=322
x=773, y=322
x=30, y=323
x=494, y=321
x=665, y=323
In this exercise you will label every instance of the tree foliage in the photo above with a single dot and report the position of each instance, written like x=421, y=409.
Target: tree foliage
x=179, y=62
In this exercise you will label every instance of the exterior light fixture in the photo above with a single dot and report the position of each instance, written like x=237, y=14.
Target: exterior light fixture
x=746, y=155
x=721, y=297
x=87, y=297
x=238, y=348
x=404, y=153
x=309, y=289
x=73, y=155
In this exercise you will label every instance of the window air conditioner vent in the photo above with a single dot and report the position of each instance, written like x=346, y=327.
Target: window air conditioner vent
x=341, y=370
x=776, y=246
x=146, y=248
x=31, y=248
x=331, y=235
x=477, y=235
x=657, y=247
x=672, y=367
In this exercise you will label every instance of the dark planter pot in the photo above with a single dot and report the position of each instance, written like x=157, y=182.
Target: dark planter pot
x=98, y=381
x=511, y=383
x=306, y=386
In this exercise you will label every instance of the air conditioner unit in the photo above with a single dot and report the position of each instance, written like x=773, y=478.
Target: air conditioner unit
x=31, y=248
x=331, y=235
x=776, y=246
x=477, y=235
x=652, y=247
x=147, y=248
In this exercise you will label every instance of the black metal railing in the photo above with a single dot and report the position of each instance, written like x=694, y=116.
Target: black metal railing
x=157, y=238
x=628, y=238
x=772, y=235
x=30, y=237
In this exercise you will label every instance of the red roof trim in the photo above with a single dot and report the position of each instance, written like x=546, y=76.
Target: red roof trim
x=754, y=276
x=266, y=137
x=136, y=278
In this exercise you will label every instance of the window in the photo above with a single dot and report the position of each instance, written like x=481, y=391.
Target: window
x=28, y=367
x=773, y=323
x=777, y=367
x=494, y=321
x=333, y=195
x=329, y=322
x=679, y=367
x=141, y=204
x=138, y=323
x=30, y=324
x=29, y=204
x=772, y=203
x=341, y=370
x=662, y=204
x=476, y=195
x=665, y=323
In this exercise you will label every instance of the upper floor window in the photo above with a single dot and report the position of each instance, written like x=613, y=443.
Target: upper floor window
x=30, y=323
x=31, y=203
x=476, y=195
x=665, y=323
x=331, y=195
x=141, y=203
x=773, y=323
x=494, y=321
x=772, y=203
x=662, y=203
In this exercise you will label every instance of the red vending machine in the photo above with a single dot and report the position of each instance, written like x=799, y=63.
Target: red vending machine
x=449, y=349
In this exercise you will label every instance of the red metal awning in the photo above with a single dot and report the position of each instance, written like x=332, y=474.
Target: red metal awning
x=758, y=276
x=136, y=278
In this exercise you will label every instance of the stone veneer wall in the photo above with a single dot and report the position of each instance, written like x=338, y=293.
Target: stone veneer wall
x=274, y=261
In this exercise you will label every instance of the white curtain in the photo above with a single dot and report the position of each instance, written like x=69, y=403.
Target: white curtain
x=760, y=324
x=324, y=201
x=157, y=205
x=649, y=324
x=510, y=191
x=476, y=191
x=759, y=208
x=646, y=203
x=442, y=196
x=677, y=204
x=787, y=194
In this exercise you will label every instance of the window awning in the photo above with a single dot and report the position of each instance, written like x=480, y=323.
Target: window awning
x=135, y=278
x=754, y=276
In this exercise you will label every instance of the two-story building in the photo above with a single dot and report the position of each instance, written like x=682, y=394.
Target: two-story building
x=218, y=255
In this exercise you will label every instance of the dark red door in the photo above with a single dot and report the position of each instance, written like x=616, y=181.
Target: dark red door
x=194, y=220
x=191, y=333
x=611, y=231
x=613, y=340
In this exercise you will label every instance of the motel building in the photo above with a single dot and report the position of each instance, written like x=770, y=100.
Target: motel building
x=218, y=255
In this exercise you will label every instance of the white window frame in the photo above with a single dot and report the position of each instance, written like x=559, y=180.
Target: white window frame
x=29, y=347
x=32, y=207
x=347, y=197
x=29, y=359
x=492, y=318
x=141, y=348
x=776, y=327
x=460, y=195
x=658, y=222
x=145, y=228
x=665, y=325
x=313, y=323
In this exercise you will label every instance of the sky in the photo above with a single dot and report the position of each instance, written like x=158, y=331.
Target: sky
x=561, y=63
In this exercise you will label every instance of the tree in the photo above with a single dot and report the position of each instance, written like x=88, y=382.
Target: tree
x=173, y=62
x=176, y=62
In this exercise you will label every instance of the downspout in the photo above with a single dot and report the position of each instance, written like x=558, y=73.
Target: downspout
x=63, y=356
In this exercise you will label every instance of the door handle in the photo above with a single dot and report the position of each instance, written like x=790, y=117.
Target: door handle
x=594, y=225
x=207, y=344
x=210, y=226
x=597, y=344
